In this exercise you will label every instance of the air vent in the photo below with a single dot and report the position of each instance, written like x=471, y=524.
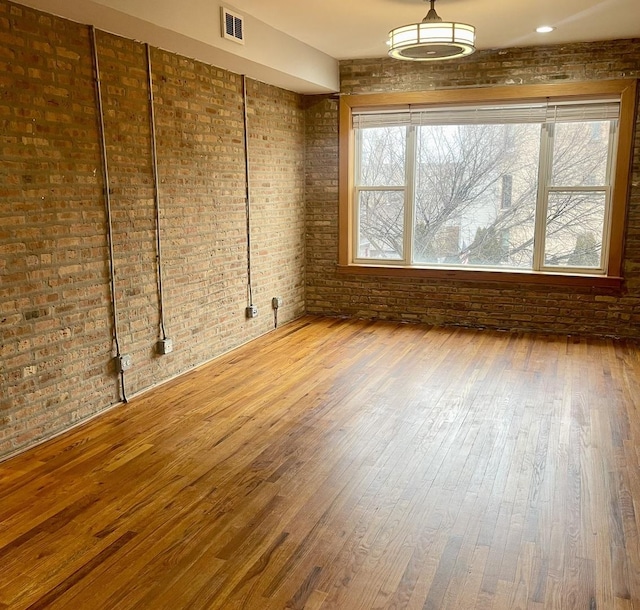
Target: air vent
x=232, y=26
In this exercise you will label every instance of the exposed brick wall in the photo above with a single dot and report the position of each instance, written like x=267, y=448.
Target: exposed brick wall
x=517, y=66
x=277, y=188
x=472, y=304
x=55, y=314
x=127, y=129
x=326, y=291
x=201, y=171
x=54, y=294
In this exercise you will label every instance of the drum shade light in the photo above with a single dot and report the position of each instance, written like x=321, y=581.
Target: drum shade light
x=432, y=39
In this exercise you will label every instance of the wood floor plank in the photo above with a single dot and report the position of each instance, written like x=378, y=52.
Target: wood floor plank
x=345, y=464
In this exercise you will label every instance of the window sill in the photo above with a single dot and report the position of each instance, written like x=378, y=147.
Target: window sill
x=597, y=282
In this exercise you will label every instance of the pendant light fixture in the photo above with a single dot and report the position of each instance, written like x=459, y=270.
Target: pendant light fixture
x=432, y=39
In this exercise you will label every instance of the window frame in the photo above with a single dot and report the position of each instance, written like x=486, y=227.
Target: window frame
x=577, y=91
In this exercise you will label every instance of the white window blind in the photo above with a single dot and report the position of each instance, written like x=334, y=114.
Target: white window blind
x=543, y=112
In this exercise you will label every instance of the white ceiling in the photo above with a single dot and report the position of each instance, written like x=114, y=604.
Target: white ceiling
x=348, y=29
x=296, y=44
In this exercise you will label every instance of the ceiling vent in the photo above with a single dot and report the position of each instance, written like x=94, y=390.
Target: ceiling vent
x=232, y=26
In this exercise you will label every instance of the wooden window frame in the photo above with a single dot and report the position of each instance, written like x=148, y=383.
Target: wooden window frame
x=578, y=91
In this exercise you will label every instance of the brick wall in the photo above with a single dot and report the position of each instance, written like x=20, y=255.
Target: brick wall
x=55, y=314
x=471, y=304
x=277, y=188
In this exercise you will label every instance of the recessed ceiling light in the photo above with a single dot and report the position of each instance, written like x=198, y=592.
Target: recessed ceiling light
x=545, y=29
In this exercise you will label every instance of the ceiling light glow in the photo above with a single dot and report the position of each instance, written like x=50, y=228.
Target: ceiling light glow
x=545, y=29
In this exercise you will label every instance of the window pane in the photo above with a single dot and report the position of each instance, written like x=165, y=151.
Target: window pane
x=580, y=153
x=574, y=229
x=382, y=158
x=381, y=224
x=476, y=194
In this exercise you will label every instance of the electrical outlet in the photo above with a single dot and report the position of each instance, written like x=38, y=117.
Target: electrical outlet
x=164, y=346
x=251, y=311
x=276, y=302
x=123, y=362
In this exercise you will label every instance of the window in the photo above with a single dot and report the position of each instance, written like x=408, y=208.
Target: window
x=534, y=186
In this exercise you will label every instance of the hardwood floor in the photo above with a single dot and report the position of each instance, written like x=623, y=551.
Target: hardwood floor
x=345, y=464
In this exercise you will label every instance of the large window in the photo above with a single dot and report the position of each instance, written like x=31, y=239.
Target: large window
x=528, y=186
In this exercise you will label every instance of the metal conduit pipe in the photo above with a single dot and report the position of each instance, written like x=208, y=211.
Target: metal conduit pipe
x=247, y=188
x=156, y=190
x=107, y=200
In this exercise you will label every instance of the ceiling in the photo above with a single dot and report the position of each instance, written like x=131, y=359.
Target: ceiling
x=348, y=29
